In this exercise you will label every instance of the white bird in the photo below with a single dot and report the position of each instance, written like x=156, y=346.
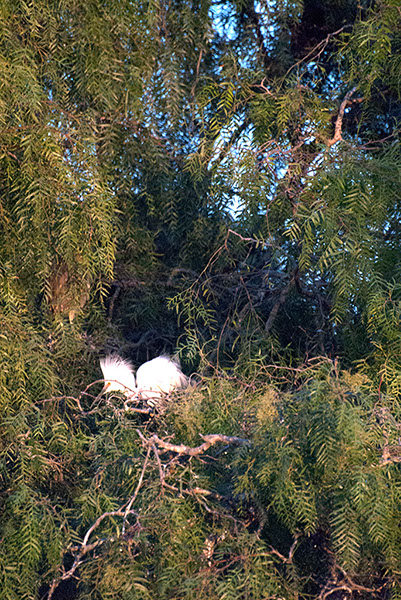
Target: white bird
x=159, y=377
x=118, y=376
x=154, y=379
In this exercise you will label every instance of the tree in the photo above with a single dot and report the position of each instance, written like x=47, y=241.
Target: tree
x=219, y=179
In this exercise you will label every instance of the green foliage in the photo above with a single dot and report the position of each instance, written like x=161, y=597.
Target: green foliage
x=316, y=466
x=221, y=180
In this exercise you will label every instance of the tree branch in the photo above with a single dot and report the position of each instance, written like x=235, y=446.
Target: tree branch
x=339, y=121
x=283, y=297
x=181, y=449
x=85, y=547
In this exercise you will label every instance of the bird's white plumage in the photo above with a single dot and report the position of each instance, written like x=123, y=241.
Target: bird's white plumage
x=158, y=377
x=154, y=379
x=118, y=376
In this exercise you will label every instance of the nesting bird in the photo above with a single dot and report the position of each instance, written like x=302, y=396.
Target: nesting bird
x=118, y=376
x=158, y=377
x=154, y=379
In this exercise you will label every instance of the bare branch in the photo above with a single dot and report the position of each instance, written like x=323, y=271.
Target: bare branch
x=85, y=547
x=181, y=449
x=135, y=494
x=283, y=297
x=339, y=121
x=287, y=559
x=319, y=49
x=341, y=581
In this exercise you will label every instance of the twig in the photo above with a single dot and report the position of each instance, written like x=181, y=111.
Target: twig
x=321, y=46
x=159, y=464
x=177, y=271
x=282, y=298
x=112, y=302
x=338, y=583
x=138, y=487
x=287, y=559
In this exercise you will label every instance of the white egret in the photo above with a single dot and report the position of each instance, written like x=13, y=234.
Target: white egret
x=154, y=379
x=118, y=376
x=159, y=377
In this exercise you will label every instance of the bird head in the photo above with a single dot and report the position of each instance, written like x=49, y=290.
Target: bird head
x=118, y=376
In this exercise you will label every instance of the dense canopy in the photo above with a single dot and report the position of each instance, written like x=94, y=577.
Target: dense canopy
x=217, y=180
